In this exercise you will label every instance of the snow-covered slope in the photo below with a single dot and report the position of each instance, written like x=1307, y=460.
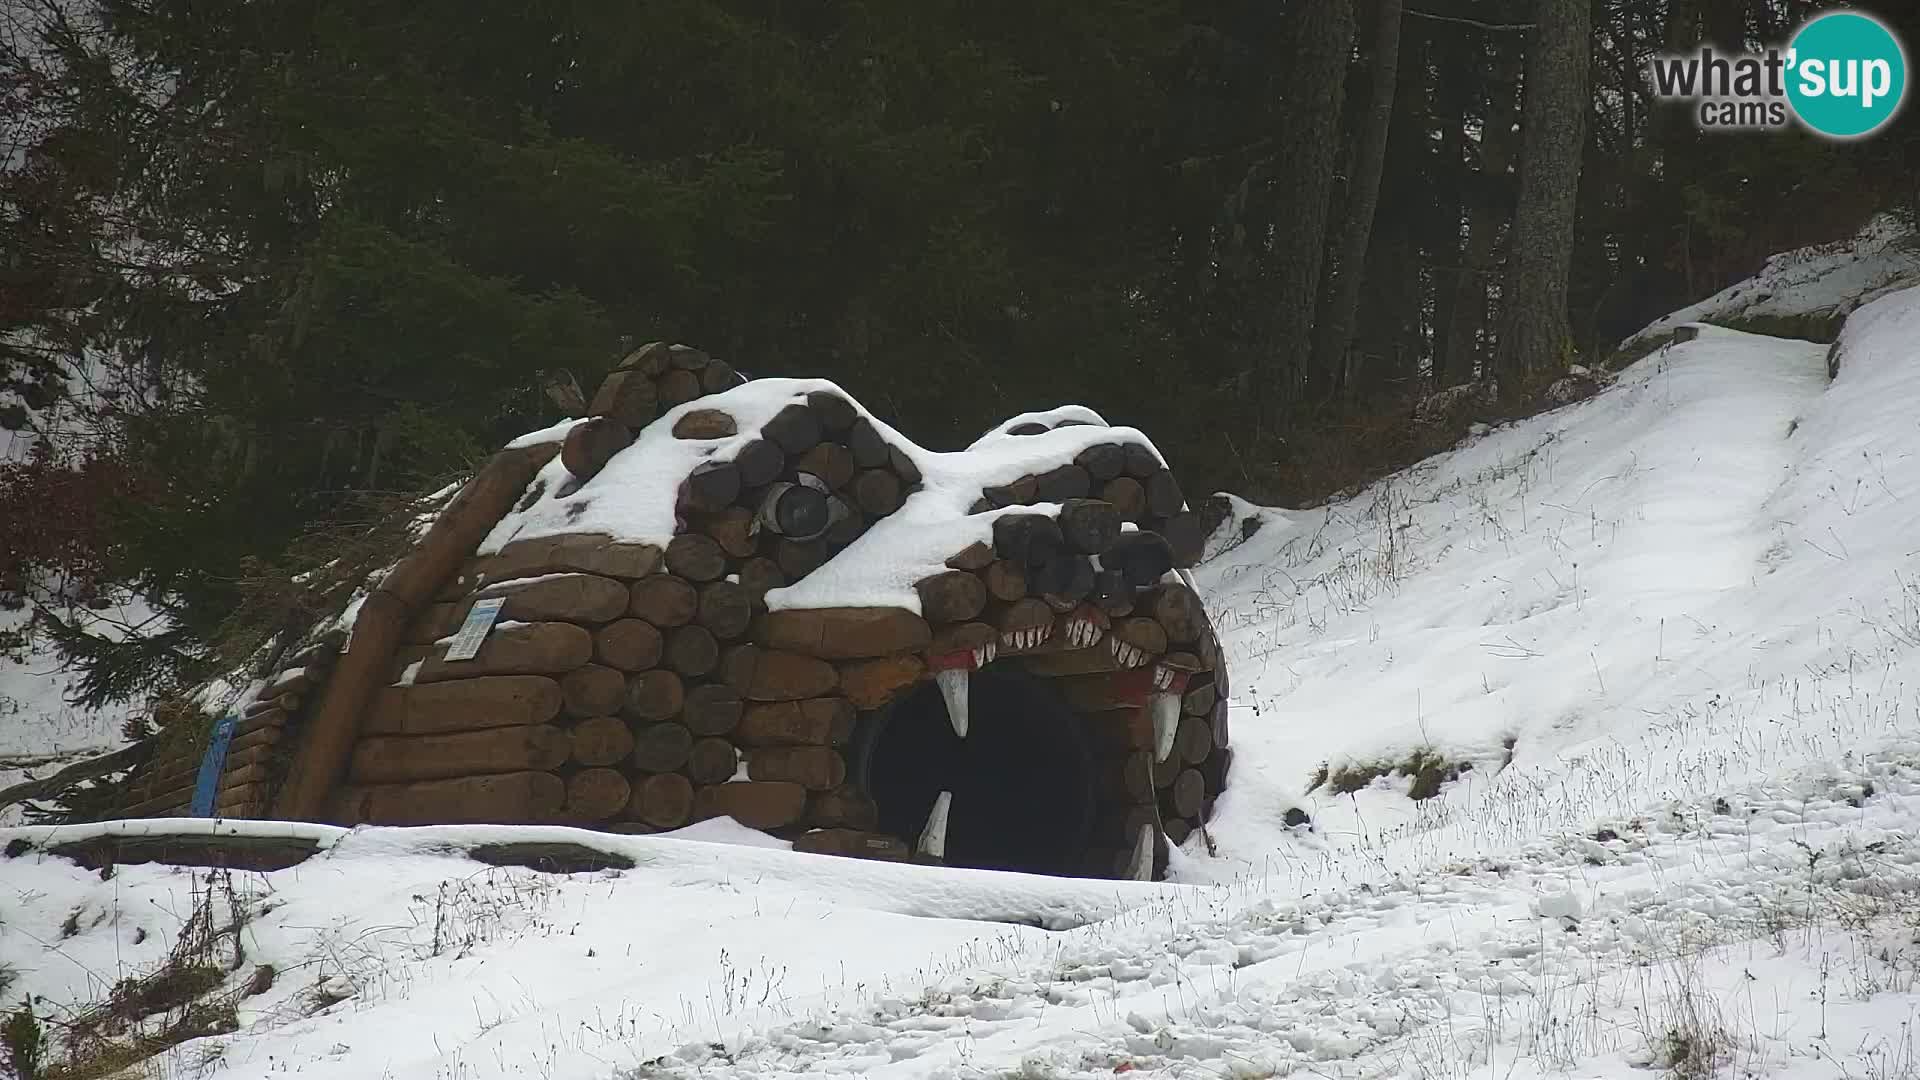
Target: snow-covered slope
x=1693, y=552
x=39, y=729
x=1672, y=629
x=1823, y=282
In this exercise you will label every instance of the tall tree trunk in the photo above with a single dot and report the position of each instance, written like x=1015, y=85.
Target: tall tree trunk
x=1388, y=343
x=1485, y=212
x=1335, y=333
x=1303, y=181
x=1534, y=327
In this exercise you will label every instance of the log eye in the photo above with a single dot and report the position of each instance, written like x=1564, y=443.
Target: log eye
x=801, y=510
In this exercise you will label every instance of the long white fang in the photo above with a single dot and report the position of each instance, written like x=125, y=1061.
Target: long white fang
x=953, y=690
x=1140, y=867
x=933, y=838
x=1165, y=708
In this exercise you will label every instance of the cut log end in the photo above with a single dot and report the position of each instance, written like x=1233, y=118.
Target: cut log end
x=593, y=442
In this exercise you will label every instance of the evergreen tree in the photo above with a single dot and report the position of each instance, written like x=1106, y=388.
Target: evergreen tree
x=267, y=267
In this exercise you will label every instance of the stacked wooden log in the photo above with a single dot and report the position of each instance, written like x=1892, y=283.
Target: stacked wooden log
x=633, y=687
x=649, y=381
x=255, y=757
x=634, y=703
x=163, y=786
x=610, y=690
x=1071, y=599
x=491, y=739
x=811, y=481
x=1128, y=475
x=642, y=701
x=1079, y=600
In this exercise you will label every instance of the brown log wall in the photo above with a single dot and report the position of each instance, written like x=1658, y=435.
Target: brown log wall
x=643, y=689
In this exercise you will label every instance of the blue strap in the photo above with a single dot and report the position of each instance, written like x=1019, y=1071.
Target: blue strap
x=208, y=783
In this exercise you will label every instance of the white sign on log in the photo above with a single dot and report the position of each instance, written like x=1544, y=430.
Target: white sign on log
x=466, y=644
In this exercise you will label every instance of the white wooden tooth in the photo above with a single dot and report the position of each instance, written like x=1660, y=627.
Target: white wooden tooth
x=1165, y=708
x=933, y=838
x=953, y=690
x=1140, y=867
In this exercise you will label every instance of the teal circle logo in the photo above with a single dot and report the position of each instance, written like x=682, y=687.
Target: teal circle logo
x=1846, y=74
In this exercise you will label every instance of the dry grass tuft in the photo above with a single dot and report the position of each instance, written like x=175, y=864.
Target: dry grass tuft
x=1428, y=768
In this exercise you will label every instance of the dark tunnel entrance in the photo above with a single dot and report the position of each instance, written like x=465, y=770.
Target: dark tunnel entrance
x=1022, y=779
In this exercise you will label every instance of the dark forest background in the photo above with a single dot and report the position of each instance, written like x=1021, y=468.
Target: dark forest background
x=266, y=264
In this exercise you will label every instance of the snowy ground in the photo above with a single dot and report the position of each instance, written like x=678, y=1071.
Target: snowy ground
x=36, y=723
x=1686, y=610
